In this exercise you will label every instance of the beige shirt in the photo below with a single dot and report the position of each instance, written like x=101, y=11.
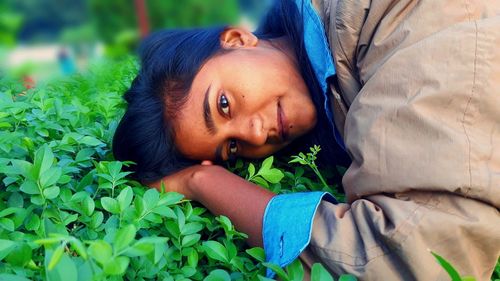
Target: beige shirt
x=421, y=82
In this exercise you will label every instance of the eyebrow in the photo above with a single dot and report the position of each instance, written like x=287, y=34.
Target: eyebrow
x=207, y=113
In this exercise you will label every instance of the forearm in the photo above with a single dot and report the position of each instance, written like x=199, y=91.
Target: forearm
x=224, y=193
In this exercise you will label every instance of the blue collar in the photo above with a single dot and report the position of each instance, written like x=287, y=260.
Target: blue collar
x=318, y=52
x=317, y=47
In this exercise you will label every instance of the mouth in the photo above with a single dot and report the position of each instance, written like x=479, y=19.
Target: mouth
x=282, y=124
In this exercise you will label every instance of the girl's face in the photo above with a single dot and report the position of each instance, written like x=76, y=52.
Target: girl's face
x=248, y=102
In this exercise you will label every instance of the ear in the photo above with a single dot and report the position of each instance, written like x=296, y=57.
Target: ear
x=237, y=37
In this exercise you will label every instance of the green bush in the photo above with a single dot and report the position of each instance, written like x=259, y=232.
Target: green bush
x=69, y=212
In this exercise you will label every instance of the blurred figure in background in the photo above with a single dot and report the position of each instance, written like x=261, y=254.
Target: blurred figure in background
x=66, y=62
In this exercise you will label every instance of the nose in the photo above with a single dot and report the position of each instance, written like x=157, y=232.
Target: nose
x=251, y=130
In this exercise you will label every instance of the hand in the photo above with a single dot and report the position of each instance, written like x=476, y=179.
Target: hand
x=182, y=181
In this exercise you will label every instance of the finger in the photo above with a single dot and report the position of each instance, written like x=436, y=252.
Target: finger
x=206, y=163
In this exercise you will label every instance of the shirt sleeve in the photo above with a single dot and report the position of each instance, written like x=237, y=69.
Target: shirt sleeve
x=287, y=225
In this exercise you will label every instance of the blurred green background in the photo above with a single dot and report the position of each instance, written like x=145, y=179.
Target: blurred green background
x=45, y=39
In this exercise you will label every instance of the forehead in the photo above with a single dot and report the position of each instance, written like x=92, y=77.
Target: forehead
x=192, y=137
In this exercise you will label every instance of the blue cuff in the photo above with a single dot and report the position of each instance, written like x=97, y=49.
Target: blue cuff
x=287, y=225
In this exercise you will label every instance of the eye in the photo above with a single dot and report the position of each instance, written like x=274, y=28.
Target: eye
x=224, y=104
x=233, y=148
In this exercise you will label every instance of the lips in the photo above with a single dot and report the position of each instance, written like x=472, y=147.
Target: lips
x=282, y=123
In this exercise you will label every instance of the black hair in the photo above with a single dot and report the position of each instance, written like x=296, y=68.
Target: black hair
x=169, y=62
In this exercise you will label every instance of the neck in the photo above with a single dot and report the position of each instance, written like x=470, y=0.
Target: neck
x=282, y=44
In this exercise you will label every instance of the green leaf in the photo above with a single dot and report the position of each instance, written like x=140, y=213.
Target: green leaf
x=108, y=178
x=251, y=170
x=125, y=197
x=16, y=200
x=100, y=251
x=191, y=228
x=56, y=256
x=111, y=205
x=124, y=237
x=225, y=222
x=6, y=246
x=296, y=159
x=139, y=206
x=151, y=198
x=272, y=175
x=260, y=181
x=160, y=251
x=181, y=218
x=43, y=160
x=90, y=141
x=139, y=249
x=347, y=277
x=455, y=276
x=37, y=200
x=116, y=266
x=192, y=258
x=68, y=218
x=86, y=180
x=33, y=222
x=20, y=255
x=231, y=249
x=78, y=247
x=24, y=168
x=257, y=253
x=51, y=192
x=164, y=211
x=278, y=270
x=218, y=275
x=88, y=206
x=84, y=154
x=50, y=177
x=11, y=277
x=50, y=240
x=29, y=187
x=266, y=164
x=170, y=198
x=215, y=250
x=43, y=132
x=7, y=224
x=188, y=271
x=64, y=270
x=64, y=179
x=295, y=271
x=114, y=169
x=79, y=196
x=96, y=219
x=190, y=240
x=8, y=211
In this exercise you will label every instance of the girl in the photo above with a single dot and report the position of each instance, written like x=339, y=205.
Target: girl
x=407, y=89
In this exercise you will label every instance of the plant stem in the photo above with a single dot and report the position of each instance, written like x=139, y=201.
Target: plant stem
x=323, y=181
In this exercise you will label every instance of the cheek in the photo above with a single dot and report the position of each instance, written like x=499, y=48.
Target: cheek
x=194, y=143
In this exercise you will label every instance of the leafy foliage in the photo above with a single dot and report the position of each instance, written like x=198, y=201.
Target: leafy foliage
x=116, y=21
x=455, y=276
x=68, y=211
